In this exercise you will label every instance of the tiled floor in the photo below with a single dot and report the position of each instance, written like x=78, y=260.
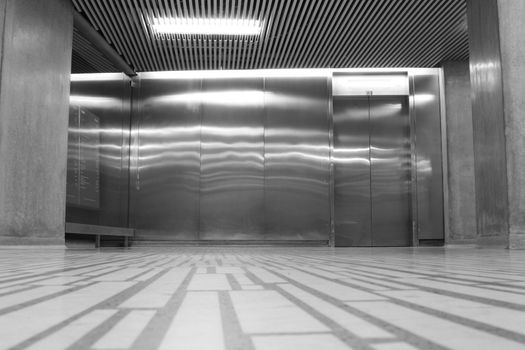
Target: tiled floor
x=262, y=299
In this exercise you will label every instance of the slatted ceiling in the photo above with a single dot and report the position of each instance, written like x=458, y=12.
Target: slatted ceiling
x=295, y=34
x=86, y=58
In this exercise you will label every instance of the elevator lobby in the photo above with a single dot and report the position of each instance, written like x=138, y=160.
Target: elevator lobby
x=262, y=174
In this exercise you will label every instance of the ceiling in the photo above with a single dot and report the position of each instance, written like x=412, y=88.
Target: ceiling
x=295, y=34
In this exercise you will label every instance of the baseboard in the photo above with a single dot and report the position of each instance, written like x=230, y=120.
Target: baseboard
x=517, y=241
x=492, y=242
x=146, y=243
x=33, y=242
x=431, y=243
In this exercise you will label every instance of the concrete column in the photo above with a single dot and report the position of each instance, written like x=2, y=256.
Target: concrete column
x=512, y=47
x=497, y=68
x=36, y=39
x=461, y=181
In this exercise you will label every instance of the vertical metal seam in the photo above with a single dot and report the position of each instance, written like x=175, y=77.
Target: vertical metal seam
x=79, y=155
x=370, y=170
x=125, y=101
x=201, y=114
x=129, y=145
x=444, y=155
x=414, y=177
x=136, y=113
x=331, y=186
x=265, y=113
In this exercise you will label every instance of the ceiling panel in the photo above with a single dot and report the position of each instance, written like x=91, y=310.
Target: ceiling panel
x=295, y=34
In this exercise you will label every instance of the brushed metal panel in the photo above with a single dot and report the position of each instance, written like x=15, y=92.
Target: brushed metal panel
x=390, y=171
x=83, y=171
x=166, y=205
x=107, y=96
x=364, y=84
x=232, y=161
x=297, y=162
x=351, y=157
x=429, y=166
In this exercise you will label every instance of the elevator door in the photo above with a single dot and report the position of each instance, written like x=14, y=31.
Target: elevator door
x=372, y=171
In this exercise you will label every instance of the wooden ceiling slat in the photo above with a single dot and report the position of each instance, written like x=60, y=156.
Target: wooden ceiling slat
x=331, y=46
x=295, y=34
x=426, y=38
x=335, y=16
x=313, y=32
x=347, y=35
x=397, y=30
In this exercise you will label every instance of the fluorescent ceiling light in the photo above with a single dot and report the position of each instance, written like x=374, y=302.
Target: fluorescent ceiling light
x=206, y=26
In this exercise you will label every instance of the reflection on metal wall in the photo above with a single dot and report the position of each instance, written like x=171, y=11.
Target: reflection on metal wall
x=106, y=98
x=83, y=159
x=390, y=171
x=372, y=170
x=222, y=156
x=297, y=158
x=231, y=158
x=351, y=157
x=168, y=152
x=428, y=155
x=378, y=192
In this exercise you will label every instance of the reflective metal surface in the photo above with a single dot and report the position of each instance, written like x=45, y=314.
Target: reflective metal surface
x=428, y=156
x=166, y=196
x=297, y=158
x=352, y=171
x=227, y=156
x=390, y=171
x=107, y=98
x=83, y=159
x=232, y=160
x=365, y=84
x=372, y=171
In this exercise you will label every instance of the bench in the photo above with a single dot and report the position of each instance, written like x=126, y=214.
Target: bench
x=98, y=231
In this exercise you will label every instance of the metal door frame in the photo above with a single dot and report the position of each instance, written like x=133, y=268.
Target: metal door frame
x=413, y=214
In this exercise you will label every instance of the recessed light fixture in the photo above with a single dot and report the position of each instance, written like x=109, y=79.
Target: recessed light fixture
x=205, y=26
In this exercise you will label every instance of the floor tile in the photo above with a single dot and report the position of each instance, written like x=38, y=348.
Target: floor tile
x=253, y=298
x=270, y=312
x=303, y=342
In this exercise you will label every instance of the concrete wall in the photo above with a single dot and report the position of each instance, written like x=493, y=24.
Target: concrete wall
x=512, y=48
x=34, y=94
x=497, y=67
x=461, y=181
x=490, y=163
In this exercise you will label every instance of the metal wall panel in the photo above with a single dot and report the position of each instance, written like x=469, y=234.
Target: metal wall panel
x=429, y=165
x=107, y=97
x=258, y=165
x=351, y=157
x=390, y=171
x=166, y=200
x=232, y=161
x=364, y=84
x=297, y=164
x=83, y=161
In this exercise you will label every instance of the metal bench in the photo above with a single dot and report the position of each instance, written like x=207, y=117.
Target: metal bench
x=98, y=231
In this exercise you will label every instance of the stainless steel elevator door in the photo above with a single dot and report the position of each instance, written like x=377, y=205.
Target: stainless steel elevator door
x=352, y=171
x=296, y=159
x=390, y=171
x=372, y=171
x=232, y=159
x=166, y=205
